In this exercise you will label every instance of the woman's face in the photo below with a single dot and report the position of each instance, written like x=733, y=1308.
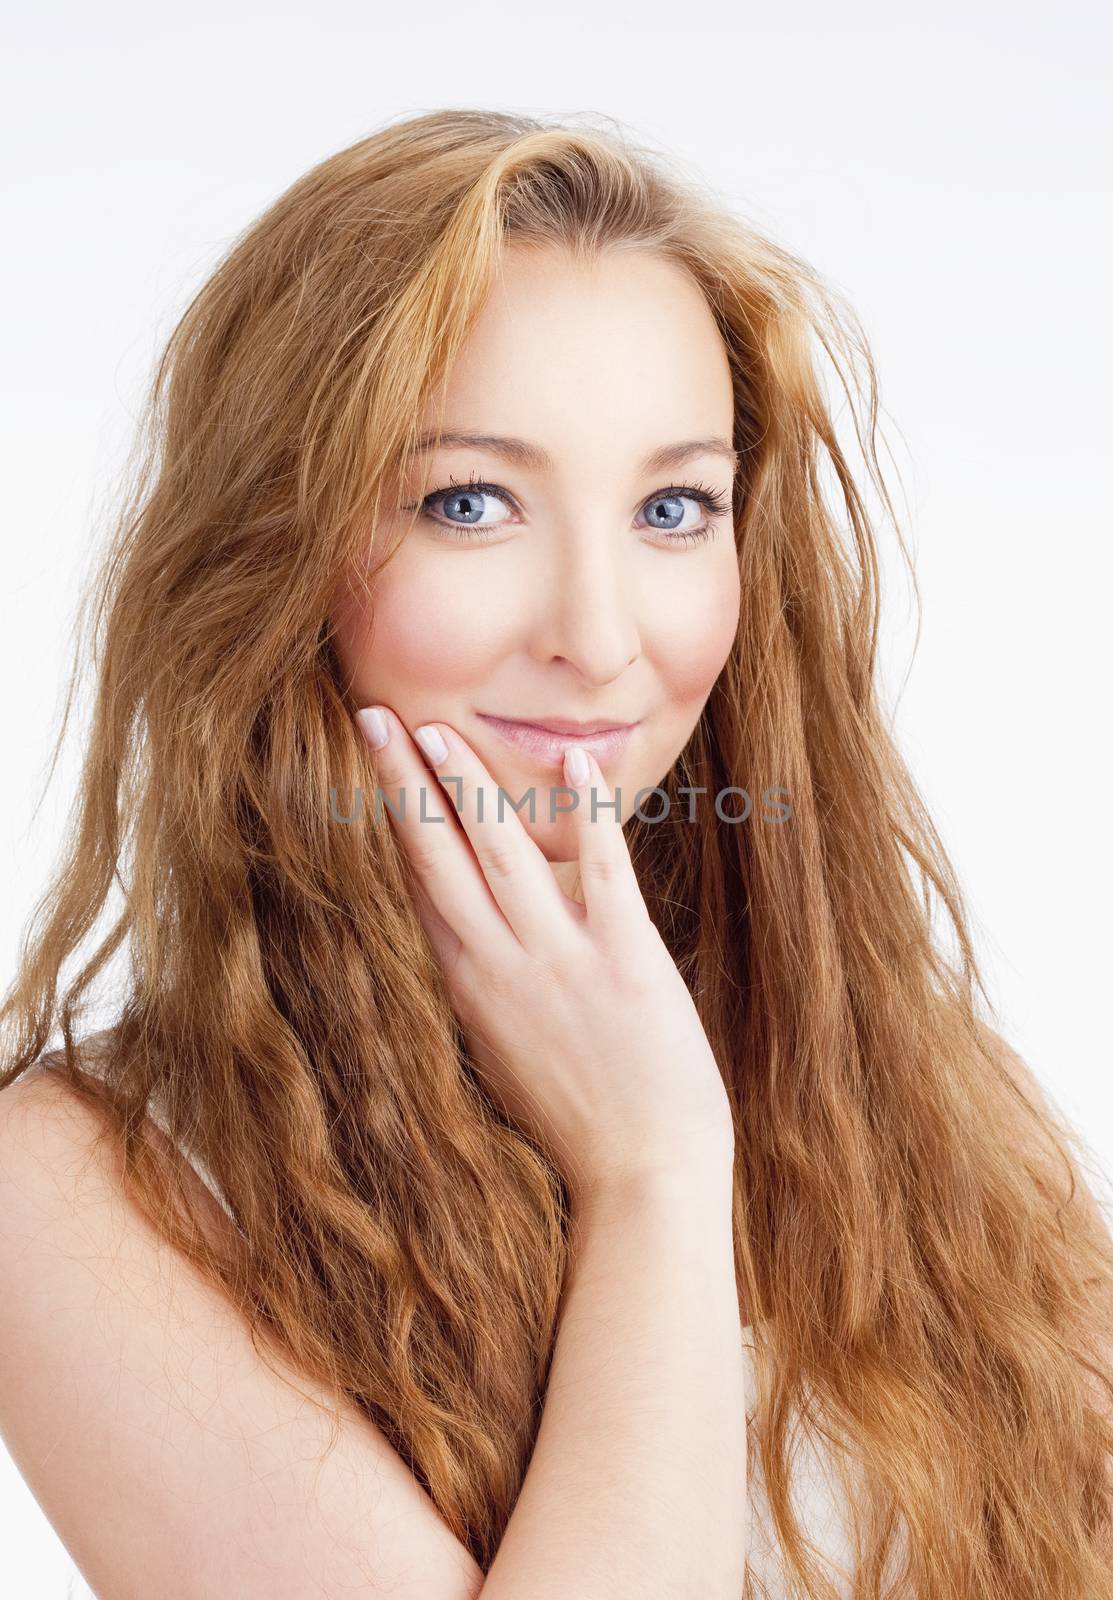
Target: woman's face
x=576, y=580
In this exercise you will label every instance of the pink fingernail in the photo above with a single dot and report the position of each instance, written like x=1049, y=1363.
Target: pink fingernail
x=373, y=721
x=429, y=738
x=576, y=769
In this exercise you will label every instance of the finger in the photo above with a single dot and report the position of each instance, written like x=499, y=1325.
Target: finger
x=514, y=868
x=612, y=895
x=436, y=846
x=460, y=978
x=445, y=943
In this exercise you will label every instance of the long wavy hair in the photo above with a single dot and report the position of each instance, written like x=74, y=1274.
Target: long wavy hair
x=915, y=1298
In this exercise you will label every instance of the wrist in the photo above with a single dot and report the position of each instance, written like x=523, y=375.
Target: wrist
x=623, y=1188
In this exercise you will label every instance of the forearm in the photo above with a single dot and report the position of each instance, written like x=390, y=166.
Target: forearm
x=637, y=1484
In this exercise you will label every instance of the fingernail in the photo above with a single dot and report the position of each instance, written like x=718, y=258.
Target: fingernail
x=429, y=738
x=375, y=726
x=575, y=764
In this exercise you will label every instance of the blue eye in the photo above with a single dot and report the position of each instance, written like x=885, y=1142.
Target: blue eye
x=467, y=500
x=669, y=503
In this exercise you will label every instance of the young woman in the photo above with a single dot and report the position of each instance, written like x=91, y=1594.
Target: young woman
x=599, y=1181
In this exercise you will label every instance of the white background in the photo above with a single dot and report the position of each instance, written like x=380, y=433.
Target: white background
x=946, y=167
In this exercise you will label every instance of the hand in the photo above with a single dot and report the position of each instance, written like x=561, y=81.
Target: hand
x=578, y=1020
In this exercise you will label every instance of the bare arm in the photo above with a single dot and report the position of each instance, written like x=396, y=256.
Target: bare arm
x=169, y=1457
x=171, y=1460
x=637, y=1485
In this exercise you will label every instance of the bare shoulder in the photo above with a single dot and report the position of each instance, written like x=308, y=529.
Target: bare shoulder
x=166, y=1453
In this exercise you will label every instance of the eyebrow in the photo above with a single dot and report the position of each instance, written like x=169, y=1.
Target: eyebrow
x=530, y=455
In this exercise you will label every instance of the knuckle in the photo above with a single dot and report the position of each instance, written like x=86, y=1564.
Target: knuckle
x=396, y=800
x=599, y=869
x=423, y=852
x=497, y=861
x=387, y=775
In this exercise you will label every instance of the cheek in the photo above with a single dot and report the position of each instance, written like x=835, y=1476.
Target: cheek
x=695, y=635
x=423, y=634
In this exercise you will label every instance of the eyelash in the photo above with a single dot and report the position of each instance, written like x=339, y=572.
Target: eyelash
x=714, y=504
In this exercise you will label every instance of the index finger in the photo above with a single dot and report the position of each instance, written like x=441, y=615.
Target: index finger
x=438, y=851
x=513, y=865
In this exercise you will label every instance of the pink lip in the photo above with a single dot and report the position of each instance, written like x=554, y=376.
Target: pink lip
x=548, y=743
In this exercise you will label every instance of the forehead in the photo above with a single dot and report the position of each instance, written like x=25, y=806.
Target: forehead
x=615, y=356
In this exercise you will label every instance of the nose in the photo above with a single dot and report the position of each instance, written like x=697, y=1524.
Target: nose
x=586, y=608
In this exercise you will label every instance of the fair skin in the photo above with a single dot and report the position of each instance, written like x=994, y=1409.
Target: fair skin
x=576, y=604
x=167, y=1454
x=577, y=585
